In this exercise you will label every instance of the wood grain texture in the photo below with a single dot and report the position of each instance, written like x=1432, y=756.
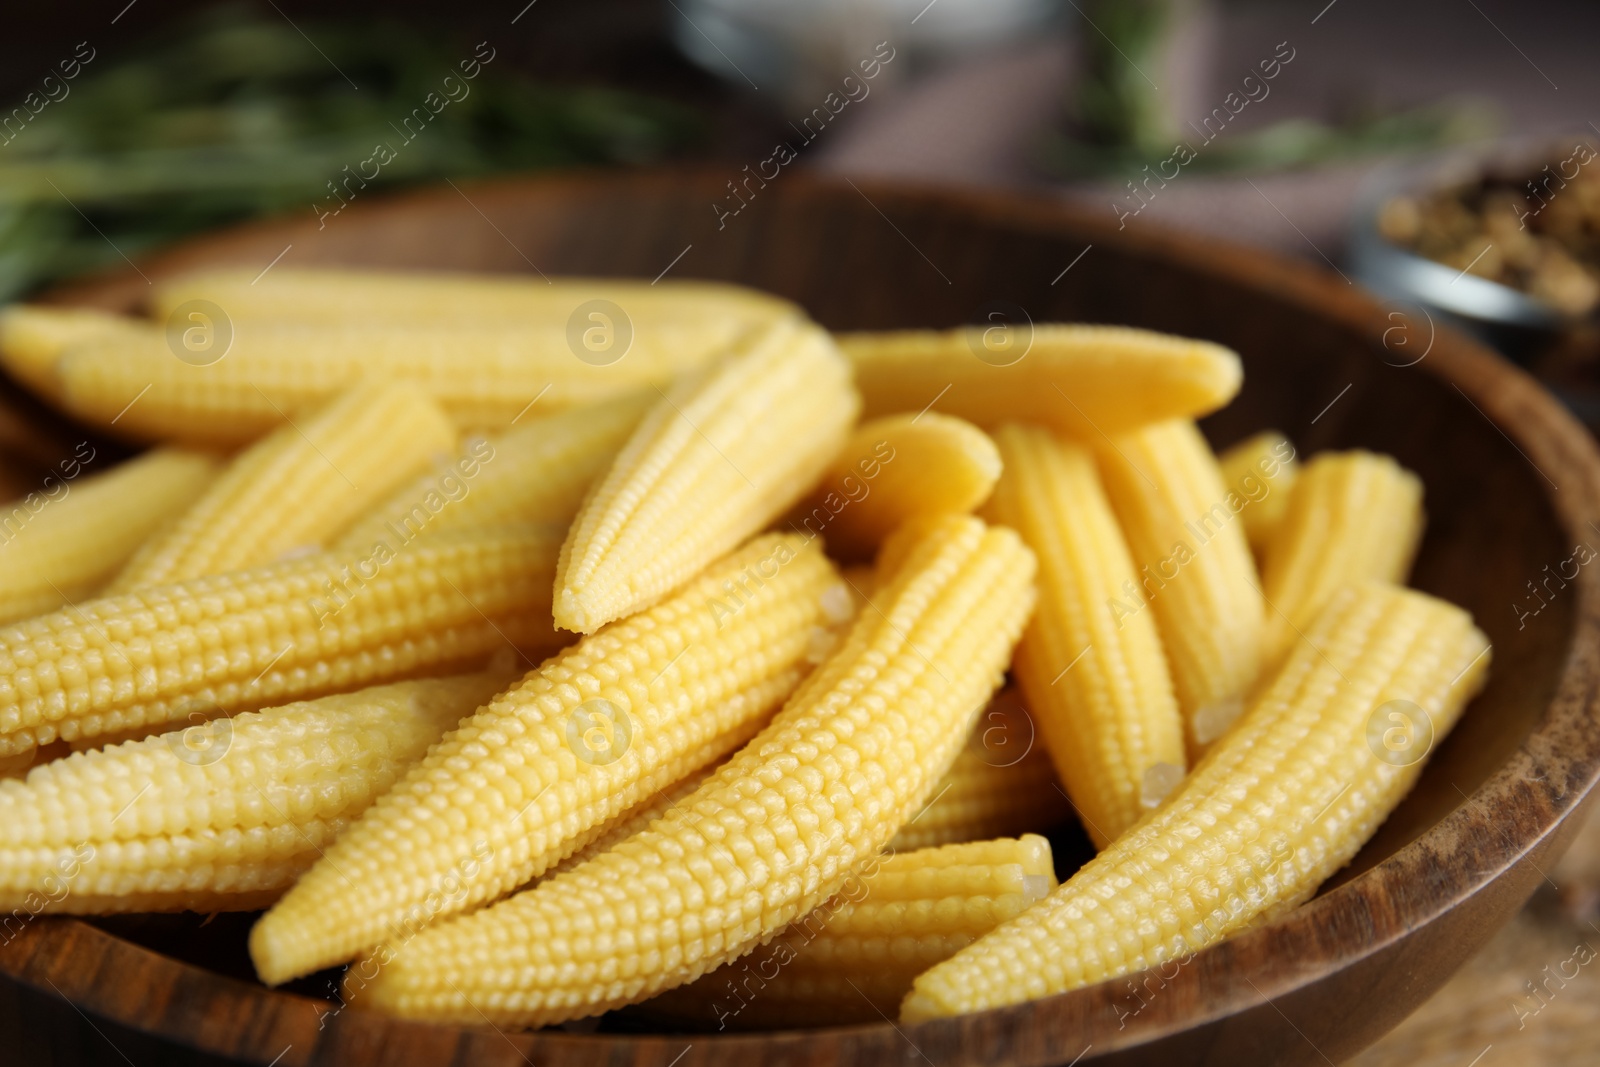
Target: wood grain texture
x=1513, y=483
x=1531, y=996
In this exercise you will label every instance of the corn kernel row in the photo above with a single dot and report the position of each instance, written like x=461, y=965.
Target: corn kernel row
x=583, y=738
x=1279, y=804
x=254, y=638
x=773, y=834
x=222, y=814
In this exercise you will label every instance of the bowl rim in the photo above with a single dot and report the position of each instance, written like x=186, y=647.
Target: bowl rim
x=1548, y=779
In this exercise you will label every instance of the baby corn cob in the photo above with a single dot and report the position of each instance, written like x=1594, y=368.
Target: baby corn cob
x=70, y=546
x=249, y=639
x=298, y=486
x=1262, y=471
x=341, y=296
x=639, y=817
x=1352, y=515
x=1195, y=569
x=722, y=454
x=534, y=473
x=777, y=831
x=894, y=468
x=1094, y=678
x=1001, y=784
x=853, y=959
x=503, y=662
x=33, y=337
x=219, y=815
x=483, y=375
x=1280, y=803
x=1084, y=381
x=665, y=692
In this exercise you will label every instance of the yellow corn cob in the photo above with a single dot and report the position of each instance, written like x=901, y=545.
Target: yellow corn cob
x=1081, y=380
x=523, y=779
x=894, y=468
x=1094, y=678
x=505, y=661
x=720, y=455
x=33, y=337
x=1279, y=804
x=483, y=375
x=285, y=631
x=536, y=473
x=336, y=296
x=1001, y=784
x=1195, y=570
x=1262, y=471
x=67, y=548
x=640, y=816
x=1352, y=516
x=853, y=958
x=777, y=831
x=605, y=837
x=236, y=808
x=298, y=486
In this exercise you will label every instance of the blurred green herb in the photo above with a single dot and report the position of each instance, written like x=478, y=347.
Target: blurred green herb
x=1114, y=105
x=1118, y=121
x=237, y=115
x=1287, y=144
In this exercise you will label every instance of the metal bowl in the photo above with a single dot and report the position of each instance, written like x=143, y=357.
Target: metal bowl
x=1507, y=318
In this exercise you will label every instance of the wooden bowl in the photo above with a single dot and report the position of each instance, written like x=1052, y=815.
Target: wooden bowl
x=1513, y=485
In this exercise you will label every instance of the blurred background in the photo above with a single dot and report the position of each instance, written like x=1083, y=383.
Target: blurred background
x=1437, y=152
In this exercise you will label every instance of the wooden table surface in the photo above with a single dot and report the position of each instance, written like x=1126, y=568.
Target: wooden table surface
x=1531, y=998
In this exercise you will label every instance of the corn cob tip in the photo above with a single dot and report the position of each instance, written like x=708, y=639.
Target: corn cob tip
x=274, y=953
x=895, y=468
x=919, y=1007
x=1157, y=783
x=571, y=612
x=1211, y=721
x=722, y=453
x=1327, y=749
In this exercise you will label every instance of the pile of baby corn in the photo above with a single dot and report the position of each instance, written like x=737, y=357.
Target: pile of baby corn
x=534, y=679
